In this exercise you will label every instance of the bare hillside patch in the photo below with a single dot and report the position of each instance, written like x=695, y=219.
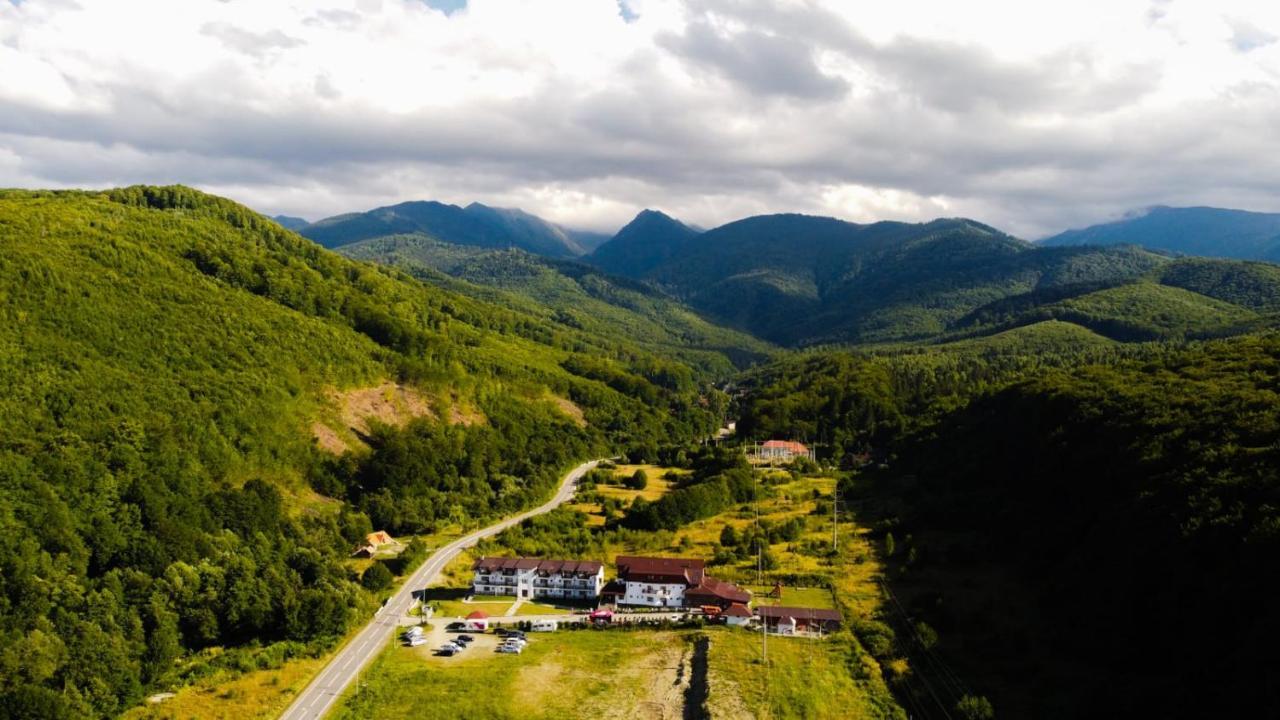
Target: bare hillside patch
x=568, y=407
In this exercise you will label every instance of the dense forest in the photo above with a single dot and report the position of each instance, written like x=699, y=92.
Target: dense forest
x=1091, y=528
x=165, y=355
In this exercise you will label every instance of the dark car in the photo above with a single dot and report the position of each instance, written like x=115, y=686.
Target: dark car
x=464, y=639
x=455, y=626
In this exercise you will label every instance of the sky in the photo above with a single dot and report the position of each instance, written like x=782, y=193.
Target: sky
x=1031, y=116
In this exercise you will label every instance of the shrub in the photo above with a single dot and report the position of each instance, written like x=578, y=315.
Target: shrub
x=639, y=480
x=377, y=577
x=975, y=707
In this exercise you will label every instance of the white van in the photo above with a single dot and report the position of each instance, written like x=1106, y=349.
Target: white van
x=544, y=626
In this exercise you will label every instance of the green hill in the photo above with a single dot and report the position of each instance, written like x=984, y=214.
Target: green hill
x=1130, y=312
x=1253, y=285
x=1058, y=512
x=168, y=360
x=572, y=295
x=1212, y=232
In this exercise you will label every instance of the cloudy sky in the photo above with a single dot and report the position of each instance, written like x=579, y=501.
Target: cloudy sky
x=1032, y=116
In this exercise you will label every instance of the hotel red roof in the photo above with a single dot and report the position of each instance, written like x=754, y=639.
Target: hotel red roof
x=661, y=570
x=490, y=564
x=478, y=615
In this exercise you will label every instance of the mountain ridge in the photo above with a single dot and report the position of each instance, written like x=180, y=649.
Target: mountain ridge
x=1199, y=230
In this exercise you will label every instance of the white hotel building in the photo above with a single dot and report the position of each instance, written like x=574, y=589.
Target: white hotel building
x=533, y=578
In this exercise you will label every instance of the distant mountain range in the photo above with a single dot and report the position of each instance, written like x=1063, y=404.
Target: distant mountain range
x=476, y=225
x=800, y=280
x=1206, y=231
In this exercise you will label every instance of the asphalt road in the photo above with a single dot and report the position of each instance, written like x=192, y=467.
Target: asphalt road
x=328, y=686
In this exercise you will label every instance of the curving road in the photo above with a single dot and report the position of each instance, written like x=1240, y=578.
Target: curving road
x=328, y=686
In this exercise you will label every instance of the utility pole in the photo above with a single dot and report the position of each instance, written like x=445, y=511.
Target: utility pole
x=764, y=623
x=835, y=517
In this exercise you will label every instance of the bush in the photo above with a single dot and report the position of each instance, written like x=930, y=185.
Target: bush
x=975, y=707
x=876, y=637
x=377, y=577
x=639, y=480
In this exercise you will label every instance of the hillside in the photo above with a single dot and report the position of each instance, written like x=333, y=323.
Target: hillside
x=649, y=240
x=169, y=359
x=475, y=225
x=572, y=295
x=1211, y=232
x=1055, y=491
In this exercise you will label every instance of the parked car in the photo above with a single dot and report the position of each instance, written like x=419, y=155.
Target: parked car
x=415, y=630
x=416, y=640
x=515, y=641
x=455, y=647
x=512, y=649
x=456, y=627
x=464, y=638
x=544, y=626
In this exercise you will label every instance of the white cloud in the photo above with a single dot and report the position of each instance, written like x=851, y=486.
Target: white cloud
x=1029, y=116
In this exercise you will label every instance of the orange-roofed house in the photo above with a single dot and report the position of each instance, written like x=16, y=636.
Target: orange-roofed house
x=784, y=450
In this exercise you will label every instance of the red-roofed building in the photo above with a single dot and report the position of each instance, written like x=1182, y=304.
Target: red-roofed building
x=783, y=450
x=534, y=578
x=796, y=620
x=672, y=582
x=737, y=614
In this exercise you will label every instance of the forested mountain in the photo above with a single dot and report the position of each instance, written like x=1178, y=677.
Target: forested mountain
x=1206, y=231
x=290, y=222
x=1090, y=528
x=796, y=279
x=649, y=240
x=803, y=280
x=477, y=225
x=571, y=294
x=168, y=361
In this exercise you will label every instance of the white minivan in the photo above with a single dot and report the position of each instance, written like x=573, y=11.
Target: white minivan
x=544, y=626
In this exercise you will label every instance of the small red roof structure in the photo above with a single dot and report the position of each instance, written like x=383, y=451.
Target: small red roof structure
x=379, y=537
x=788, y=445
x=717, y=592
x=478, y=615
x=738, y=610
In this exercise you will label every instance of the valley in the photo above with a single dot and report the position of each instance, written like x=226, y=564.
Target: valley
x=209, y=414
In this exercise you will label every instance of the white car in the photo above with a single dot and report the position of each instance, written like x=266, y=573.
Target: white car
x=416, y=640
x=515, y=641
x=512, y=648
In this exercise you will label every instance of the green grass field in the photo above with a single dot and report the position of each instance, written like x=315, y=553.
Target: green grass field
x=793, y=597
x=560, y=675
x=628, y=674
x=804, y=679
